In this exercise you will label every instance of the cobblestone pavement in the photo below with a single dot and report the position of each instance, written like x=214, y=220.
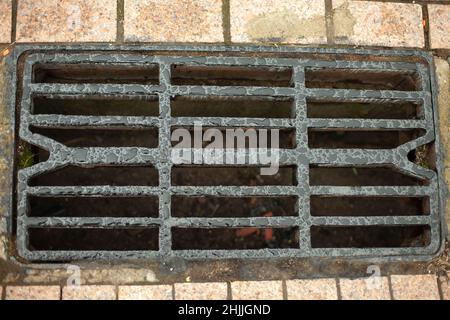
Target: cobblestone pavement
x=396, y=287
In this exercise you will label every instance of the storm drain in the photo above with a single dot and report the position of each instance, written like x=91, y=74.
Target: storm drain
x=96, y=177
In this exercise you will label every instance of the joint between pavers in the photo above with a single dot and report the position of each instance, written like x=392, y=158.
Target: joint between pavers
x=391, y=290
x=329, y=21
x=338, y=288
x=426, y=27
x=284, y=289
x=14, y=5
x=120, y=34
x=226, y=21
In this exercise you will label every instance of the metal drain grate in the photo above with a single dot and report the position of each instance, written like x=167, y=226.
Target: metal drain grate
x=358, y=175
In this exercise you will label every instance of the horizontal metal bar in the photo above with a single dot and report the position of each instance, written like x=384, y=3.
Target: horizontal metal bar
x=56, y=120
x=89, y=88
x=231, y=91
x=90, y=222
x=367, y=124
x=94, y=190
x=371, y=221
x=362, y=94
x=371, y=191
x=234, y=122
x=235, y=191
x=109, y=222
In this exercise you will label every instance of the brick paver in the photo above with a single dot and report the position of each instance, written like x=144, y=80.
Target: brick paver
x=201, y=291
x=283, y=21
x=173, y=21
x=320, y=289
x=67, y=21
x=378, y=23
x=89, y=293
x=257, y=290
x=445, y=287
x=33, y=293
x=5, y=21
x=149, y=292
x=418, y=287
x=439, y=20
x=365, y=289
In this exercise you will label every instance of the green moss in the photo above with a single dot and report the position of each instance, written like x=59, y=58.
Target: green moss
x=26, y=156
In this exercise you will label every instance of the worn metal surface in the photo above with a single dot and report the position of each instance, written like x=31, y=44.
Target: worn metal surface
x=302, y=157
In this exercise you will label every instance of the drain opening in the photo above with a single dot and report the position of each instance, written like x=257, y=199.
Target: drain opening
x=93, y=239
x=370, y=236
x=323, y=206
x=361, y=176
x=82, y=137
x=97, y=105
x=362, y=79
x=237, y=239
x=98, y=176
x=226, y=207
x=236, y=138
x=238, y=107
x=365, y=139
x=28, y=155
x=231, y=176
x=231, y=76
x=64, y=206
x=364, y=110
x=96, y=73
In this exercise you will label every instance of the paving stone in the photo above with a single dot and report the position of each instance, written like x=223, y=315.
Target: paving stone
x=445, y=286
x=89, y=293
x=201, y=291
x=67, y=21
x=257, y=290
x=173, y=21
x=282, y=21
x=5, y=21
x=378, y=23
x=320, y=289
x=33, y=293
x=365, y=289
x=150, y=292
x=439, y=20
x=417, y=287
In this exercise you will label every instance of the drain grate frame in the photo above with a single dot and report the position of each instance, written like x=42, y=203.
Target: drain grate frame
x=164, y=56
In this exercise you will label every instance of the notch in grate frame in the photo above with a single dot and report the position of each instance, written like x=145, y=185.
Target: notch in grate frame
x=353, y=134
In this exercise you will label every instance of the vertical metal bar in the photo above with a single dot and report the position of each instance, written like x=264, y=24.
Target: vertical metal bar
x=165, y=164
x=301, y=124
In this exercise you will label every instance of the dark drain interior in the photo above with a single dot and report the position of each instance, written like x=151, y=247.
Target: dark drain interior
x=356, y=171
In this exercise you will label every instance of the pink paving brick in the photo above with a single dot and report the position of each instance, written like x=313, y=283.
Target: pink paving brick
x=418, y=287
x=320, y=289
x=378, y=23
x=173, y=21
x=283, y=21
x=67, y=21
x=150, y=292
x=365, y=289
x=257, y=290
x=445, y=287
x=439, y=20
x=89, y=293
x=5, y=21
x=201, y=291
x=33, y=293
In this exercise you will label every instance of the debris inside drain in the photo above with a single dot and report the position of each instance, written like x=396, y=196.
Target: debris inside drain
x=350, y=140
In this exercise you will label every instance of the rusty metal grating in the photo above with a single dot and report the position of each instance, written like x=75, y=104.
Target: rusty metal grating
x=360, y=130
